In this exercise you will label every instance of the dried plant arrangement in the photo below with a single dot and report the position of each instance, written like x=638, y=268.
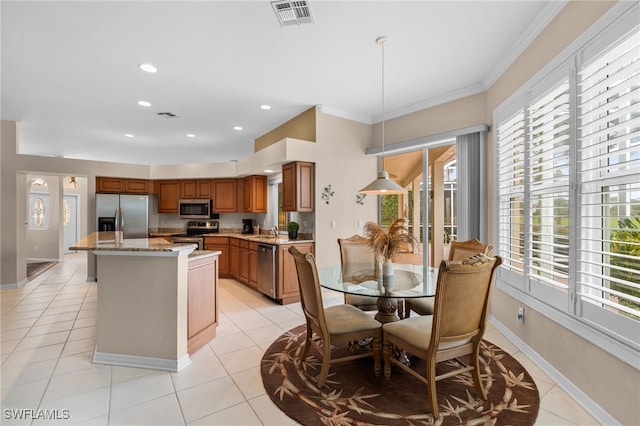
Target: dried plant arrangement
x=387, y=245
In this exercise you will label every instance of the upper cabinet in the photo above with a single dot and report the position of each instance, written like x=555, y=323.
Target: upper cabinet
x=298, y=181
x=168, y=195
x=115, y=185
x=224, y=195
x=254, y=197
x=195, y=188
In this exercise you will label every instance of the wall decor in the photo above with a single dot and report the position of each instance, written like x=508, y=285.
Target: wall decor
x=360, y=198
x=327, y=193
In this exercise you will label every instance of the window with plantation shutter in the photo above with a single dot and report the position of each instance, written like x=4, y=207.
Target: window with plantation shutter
x=609, y=178
x=568, y=190
x=548, y=180
x=510, y=178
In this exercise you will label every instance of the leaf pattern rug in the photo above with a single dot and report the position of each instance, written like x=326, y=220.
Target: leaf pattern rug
x=353, y=395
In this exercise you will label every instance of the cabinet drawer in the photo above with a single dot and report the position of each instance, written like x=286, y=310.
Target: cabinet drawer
x=244, y=244
x=253, y=246
x=216, y=240
x=234, y=242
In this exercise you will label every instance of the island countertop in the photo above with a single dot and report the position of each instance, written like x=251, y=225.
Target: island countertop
x=105, y=241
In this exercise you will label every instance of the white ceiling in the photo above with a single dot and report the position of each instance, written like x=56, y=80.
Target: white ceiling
x=70, y=69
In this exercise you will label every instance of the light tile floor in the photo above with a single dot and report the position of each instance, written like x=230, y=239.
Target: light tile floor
x=48, y=334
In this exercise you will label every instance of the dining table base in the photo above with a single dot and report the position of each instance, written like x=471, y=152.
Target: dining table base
x=387, y=310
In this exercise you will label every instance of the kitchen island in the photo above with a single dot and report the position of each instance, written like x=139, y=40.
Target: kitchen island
x=157, y=301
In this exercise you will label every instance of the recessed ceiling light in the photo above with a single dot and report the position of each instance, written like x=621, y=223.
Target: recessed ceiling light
x=144, y=103
x=237, y=127
x=265, y=106
x=148, y=68
x=191, y=135
x=268, y=171
x=129, y=135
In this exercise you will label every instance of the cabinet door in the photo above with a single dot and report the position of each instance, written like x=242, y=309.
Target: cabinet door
x=188, y=189
x=298, y=183
x=288, y=290
x=224, y=196
x=136, y=186
x=202, y=308
x=253, y=265
x=203, y=188
x=234, y=258
x=109, y=185
x=221, y=244
x=168, y=195
x=244, y=261
x=289, y=187
x=255, y=194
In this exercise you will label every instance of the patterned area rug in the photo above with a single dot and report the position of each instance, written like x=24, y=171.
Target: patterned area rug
x=354, y=395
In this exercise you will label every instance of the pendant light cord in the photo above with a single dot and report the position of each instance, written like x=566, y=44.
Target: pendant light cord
x=383, y=43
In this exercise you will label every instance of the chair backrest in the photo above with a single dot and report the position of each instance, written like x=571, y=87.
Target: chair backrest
x=464, y=249
x=310, y=293
x=355, y=253
x=462, y=299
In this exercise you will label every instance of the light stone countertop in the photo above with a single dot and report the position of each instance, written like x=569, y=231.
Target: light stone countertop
x=105, y=241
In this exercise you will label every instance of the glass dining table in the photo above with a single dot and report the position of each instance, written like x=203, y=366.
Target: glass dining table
x=407, y=281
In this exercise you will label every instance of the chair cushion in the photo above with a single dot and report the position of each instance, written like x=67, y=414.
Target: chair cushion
x=416, y=331
x=421, y=306
x=343, y=319
x=360, y=301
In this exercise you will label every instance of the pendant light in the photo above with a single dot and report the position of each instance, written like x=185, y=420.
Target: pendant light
x=383, y=184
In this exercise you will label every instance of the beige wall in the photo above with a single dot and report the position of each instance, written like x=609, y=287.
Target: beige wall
x=341, y=162
x=302, y=126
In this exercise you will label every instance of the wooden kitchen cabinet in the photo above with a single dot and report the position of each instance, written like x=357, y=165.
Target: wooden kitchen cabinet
x=202, y=302
x=116, y=185
x=195, y=188
x=224, y=195
x=298, y=183
x=254, y=194
x=234, y=257
x=253, y=265
x=221, y=244
x=287, y=289
x=168, y=196
x=244, y=261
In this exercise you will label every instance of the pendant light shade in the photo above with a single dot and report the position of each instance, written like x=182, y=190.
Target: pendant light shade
x=383, y=184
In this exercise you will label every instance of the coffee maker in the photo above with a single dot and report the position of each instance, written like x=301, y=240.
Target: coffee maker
x=247, y=226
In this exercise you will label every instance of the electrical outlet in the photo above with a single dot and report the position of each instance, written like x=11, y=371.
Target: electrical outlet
x=35, y=248
x=333, y=224
x=520, y=315
x=361, y=224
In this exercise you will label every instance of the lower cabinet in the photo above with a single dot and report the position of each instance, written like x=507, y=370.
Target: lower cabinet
x=202, y=302
x=221, y=244
x=243, y=266
x=287, y=288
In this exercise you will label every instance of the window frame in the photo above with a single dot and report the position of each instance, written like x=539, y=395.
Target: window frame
x=585, y=319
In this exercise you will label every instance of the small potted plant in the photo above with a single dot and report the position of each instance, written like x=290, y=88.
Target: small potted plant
x=292, y=229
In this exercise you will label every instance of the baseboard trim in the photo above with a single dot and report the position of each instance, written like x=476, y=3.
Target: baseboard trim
x=601, y=415
x=10, y=286
x=136, y=361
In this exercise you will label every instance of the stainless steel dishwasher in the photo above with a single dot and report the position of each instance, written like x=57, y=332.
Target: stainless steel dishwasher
x=267, y=269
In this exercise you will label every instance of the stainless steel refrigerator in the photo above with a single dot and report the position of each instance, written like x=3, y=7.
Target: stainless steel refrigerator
x=135, y=210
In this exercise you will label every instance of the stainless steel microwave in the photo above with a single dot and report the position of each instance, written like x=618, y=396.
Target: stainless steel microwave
x=194, y=209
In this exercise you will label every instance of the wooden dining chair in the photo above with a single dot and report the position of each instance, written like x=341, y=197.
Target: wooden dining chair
x=459, y=250
x=333, y=325
x=355, y=253
x=455, y=329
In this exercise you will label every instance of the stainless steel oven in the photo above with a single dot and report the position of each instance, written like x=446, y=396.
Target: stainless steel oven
x=187, y=239
x=195, y=232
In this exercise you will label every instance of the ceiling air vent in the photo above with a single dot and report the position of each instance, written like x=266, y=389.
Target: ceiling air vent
x=293, y=12
x=166, y=114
